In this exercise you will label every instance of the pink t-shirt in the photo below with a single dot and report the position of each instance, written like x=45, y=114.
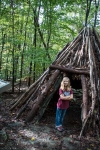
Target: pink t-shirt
x=64, y=104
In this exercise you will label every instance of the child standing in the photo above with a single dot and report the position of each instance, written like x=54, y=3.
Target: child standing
x=66, y=95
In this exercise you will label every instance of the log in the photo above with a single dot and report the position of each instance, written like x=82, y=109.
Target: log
x=48, y=98
x=75, y=57
x=86, y=52
x=41, y=97
x=23, y=98
x=93, y=91
x=63, y=50
x=25, y=105
x=71, y=46
x=80, y=54
x=33, y=96
x=97, y=36
x=63, y=59
x=64, y=69
x=85, y=98
x=84, y=124
x=28, y=93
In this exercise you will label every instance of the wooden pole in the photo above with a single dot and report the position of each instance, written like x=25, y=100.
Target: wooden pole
x=93, y=91
x=64, y=69
x=29, y=92
x=85, y=97
x=40, y=98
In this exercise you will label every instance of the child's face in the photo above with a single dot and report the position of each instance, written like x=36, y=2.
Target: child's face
x=66, y=82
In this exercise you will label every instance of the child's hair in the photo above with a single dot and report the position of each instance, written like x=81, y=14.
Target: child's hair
x=62, y=84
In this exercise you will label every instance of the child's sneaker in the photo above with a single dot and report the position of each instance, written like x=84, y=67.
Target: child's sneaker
x=60, y=129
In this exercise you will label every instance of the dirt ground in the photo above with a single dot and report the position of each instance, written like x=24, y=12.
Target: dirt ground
x=16, y=135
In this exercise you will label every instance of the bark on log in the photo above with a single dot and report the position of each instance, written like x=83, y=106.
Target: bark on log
x=63, y=59
x=85, y=98
x=80, y=54
x=86, y=52
x=97, y=37
x=40, y=98
x=84, y=124
x=93, y=91
x=74, y=59
x=28, y=93
x=71, y=46
x=48, y=98
x=64, y=69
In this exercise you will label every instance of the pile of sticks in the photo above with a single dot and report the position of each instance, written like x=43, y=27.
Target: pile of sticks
x=82, y=58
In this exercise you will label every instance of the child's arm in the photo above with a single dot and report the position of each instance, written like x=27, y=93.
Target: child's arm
x=69, y=97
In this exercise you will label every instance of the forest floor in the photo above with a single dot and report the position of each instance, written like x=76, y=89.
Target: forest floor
x=16, y=135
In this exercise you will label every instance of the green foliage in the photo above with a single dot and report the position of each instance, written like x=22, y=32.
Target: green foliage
x=32, y=30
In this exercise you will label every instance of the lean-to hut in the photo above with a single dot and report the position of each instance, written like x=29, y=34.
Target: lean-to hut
x=80, y=60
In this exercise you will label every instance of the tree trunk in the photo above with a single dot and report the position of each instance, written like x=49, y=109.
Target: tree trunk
x=35, y=45
x=13, y=49
x=3, y=42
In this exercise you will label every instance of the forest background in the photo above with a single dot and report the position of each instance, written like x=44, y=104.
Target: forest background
x=32, y=32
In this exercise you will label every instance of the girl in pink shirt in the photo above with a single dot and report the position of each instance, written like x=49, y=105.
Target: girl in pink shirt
x=65, y=96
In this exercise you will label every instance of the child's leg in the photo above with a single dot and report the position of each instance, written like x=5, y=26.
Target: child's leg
x=63, y=115
x=58, y=117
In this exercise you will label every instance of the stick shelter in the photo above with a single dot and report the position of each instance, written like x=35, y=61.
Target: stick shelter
x=80, y=61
